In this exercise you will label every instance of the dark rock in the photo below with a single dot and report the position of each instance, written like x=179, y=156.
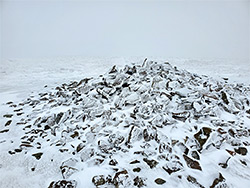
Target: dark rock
x=243, y=162
x=79, y=147
x=11, y=152
x=8, y=115
x=33, y=169
x=241, y=150
x=146, y=135
x=18, y=150
x=203, y=135
x=37, y=155
x=138, y=182
x=125, y=84
x=26, y=145
x=151, y=163
x=46, y=127
x=63, y=184
x=160, y=181
x=224, y=165
x=58, y=117
x=194, y=181
x=98, y=180
x=113, y=162
x=4, y=131
x=180, y=116
x=113, y=70
x=117, y=178
x=10, y=102
x=231, y=152
x=248, y=111
x=218, y=181
x=137, y=169
x=174, y=167
x=224, y=97
x=76, y=134
x=8, y=123
x=165, y=147
x=134, y=162
x=19, y=114
x=195, y=155
x=192, y=163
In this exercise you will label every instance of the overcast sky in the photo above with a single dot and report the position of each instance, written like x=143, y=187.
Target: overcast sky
x=193, y=29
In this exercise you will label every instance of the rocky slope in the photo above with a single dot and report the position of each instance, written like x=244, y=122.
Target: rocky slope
x=146, y=125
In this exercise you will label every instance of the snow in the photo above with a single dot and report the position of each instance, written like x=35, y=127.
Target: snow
x=20, y=78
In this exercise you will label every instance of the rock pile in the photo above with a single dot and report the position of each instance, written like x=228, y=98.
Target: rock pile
x=138, y=122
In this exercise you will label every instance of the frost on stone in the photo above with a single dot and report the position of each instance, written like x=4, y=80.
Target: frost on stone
x=136, y=120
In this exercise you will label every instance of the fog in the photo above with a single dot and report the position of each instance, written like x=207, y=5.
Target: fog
x=196, y=29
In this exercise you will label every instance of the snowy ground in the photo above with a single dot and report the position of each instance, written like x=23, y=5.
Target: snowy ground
x=19, y=78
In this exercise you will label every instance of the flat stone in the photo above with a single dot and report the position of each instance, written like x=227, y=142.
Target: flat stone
x=160, y=181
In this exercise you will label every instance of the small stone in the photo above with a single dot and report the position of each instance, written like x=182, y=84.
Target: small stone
x=138, y=182
x=46, y=127
x=194, y=181
x=218, y=181
x=11, y=152
x=98, y=180
x=231, y=152
x=120, y=177
x=8, y=123
x=224, y=97
x=59, y=117
x=18, y=150
x=173, y=167
x=76, y=134
x=192, y=163
x=37, y=155
x=243, y=162
x=203, y=135
x=4, y=131
x=137, y=169
x=113, y=162
x=79, y=147
x=63, y=184
x=195, y=155
x=241, y=150
x=8, y=115
x=151, y=163
x=134, y=162
x=160, y=181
